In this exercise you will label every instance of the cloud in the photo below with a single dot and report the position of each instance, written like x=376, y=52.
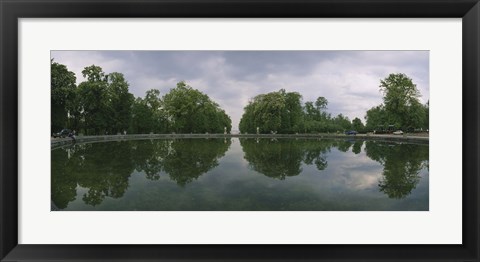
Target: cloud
x=348, y=79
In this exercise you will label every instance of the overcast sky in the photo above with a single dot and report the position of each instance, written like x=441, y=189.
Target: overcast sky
x=348, y=79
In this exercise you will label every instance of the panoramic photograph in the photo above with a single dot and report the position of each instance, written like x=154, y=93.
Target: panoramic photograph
x=239, y=130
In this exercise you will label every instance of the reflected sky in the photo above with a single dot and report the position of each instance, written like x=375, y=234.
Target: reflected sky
x=242, y=175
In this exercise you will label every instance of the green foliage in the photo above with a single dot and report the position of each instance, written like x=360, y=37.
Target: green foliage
x=317, y=120
x=316, y=117
x=102, y=104
x=343, y=122
x=142, y=118
x=357, y=125
x=190, y=111
x=283, y=113
x=273, y=112
x=148, y=115
x=93, y=99
x=376, y=118
x=426, y=123
x=62, y=91
x=119, y=103
x=401, y=106
x=321, y=103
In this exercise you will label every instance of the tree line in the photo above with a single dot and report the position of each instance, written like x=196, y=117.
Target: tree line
x=102, y=104
x=283, y=112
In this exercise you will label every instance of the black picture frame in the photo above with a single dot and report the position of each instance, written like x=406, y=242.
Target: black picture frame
x=11, y=11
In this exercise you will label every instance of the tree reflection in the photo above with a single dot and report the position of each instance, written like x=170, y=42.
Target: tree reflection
x=184, y=160
x=63, y=183
x=104, y=169
x=401, y=166
x=357, y=147
x=273, y=158
x=316, y=152
x=95, y=172
x=283, y=157
x=149, y=155
x=188, y=159
x=344, y=145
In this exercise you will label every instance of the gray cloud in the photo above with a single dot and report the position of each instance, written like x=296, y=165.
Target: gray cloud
x=348, y=79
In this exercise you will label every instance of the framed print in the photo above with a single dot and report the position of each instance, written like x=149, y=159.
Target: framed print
x=226, y=130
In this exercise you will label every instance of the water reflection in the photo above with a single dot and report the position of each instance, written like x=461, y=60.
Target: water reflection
x=104, y=169
x=284, y=157
x=273, y=158
x=183, y=160
x=401, y=166
x=240, y=174
x=189, y=159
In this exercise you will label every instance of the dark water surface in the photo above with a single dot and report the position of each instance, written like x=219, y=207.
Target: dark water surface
x=241, y=174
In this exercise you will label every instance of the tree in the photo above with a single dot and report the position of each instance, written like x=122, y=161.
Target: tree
x=119, y=103
x=273, y=112
x=75, y=110
x=310, y=111
x=93, y=97
x=357, y=125
x=154, y=102
x=401, y=101
x=316, y=117
x=103, y=102
x=376, y=118
x=191, y=111
x=292, y=115
x=62, y=89
x=321, y=104
x=148, y=115
x=142, y=118
x=342, y=123
x=426, y=124
x=401, y=107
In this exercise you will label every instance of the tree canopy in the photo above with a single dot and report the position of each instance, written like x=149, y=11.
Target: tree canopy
x=62, y=84
x=102, y=104
x=273, y=112
x=191, y=111
x=401, y=108
x=282, y=112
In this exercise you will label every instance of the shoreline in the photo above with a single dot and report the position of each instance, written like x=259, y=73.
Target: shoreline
x=59, y=142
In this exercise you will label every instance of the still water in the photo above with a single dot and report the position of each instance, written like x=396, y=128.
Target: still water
x=241, y=174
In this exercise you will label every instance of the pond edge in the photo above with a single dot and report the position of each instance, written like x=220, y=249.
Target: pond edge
x=59, y=142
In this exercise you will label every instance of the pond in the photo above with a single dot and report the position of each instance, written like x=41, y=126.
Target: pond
x=241, y=174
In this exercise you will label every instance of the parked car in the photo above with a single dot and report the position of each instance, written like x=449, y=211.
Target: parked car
x=398, y=132
x=351, y=132
x=64, y=133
